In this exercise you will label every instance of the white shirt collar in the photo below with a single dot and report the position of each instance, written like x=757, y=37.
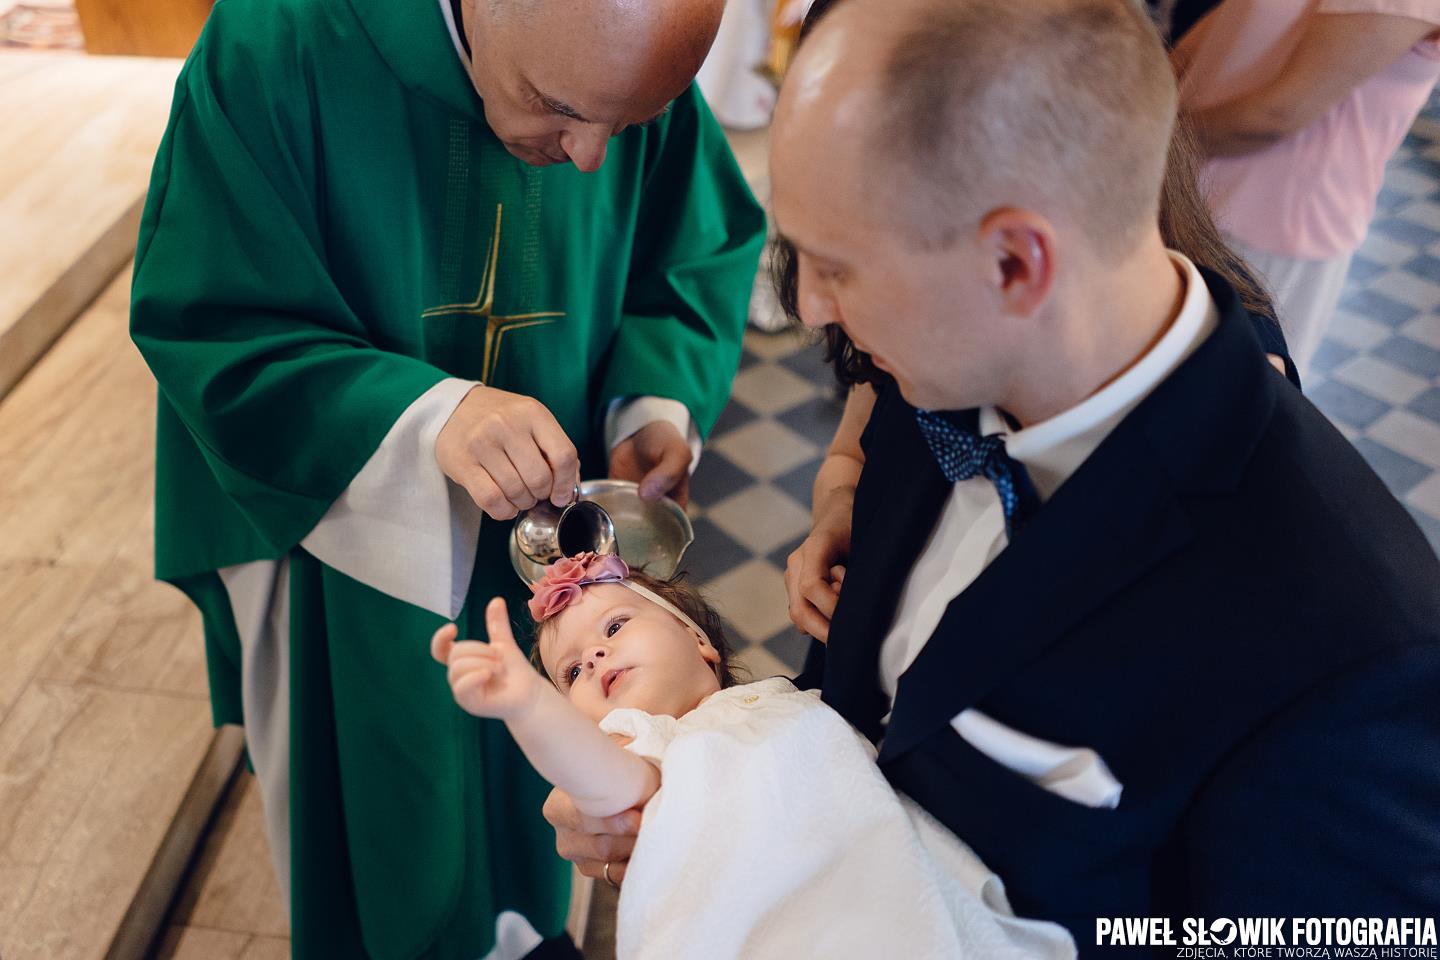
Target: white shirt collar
x=1054, y=449
x=454, y=29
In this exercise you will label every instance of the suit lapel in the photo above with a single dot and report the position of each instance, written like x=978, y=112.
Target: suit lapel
x=897, y=503
x=1101, y=530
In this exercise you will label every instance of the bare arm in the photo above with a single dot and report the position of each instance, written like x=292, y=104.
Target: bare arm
x=1337, y=52
x=845, y=459
x=569, y=750
x=495, y=680
x=815, y=570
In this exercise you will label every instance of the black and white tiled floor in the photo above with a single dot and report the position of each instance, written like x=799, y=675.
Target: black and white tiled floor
x=1377, y=376
x=750, y=497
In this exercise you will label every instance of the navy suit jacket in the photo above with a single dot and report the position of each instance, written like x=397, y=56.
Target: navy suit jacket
x=1228, y=605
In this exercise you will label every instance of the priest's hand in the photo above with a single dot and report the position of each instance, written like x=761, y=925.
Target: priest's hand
x=592, y=842
x=658, y=458
x=508, y=452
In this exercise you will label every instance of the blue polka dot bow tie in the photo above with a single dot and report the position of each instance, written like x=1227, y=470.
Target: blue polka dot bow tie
x=962, y=453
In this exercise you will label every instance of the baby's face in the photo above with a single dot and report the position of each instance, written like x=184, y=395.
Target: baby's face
x=616, y=649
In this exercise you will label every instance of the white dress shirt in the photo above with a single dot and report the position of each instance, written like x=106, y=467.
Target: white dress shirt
x=971, y=533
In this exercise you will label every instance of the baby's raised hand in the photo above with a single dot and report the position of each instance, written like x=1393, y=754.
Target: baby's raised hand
x=488, y=679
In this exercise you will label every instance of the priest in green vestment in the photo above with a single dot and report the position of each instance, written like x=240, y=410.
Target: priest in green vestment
x=406, y=268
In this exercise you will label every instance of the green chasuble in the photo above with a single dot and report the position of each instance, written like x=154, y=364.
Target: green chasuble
x=331, y=230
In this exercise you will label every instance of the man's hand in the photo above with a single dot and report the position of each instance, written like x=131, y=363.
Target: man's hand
x=508, y=452
x=488, y=679
x=590, y=842
x=815, y=571
x=658, y=458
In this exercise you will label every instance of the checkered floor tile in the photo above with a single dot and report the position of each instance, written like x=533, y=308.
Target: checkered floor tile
x=750, y=497
x=1376, y=376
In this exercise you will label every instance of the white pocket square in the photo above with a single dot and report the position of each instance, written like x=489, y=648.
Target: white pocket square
x=1076, y=773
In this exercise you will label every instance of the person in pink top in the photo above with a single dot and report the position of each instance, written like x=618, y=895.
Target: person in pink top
x=1298, y=104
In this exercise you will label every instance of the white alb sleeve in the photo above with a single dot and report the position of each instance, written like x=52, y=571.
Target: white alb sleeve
x=402, y=526
x=628, y=414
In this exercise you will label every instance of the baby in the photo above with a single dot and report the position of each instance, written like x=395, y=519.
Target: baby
x=767, y=830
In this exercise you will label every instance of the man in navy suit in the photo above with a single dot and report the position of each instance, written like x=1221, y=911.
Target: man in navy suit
x=1122, y=610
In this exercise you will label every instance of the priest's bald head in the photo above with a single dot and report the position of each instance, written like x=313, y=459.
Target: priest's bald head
x=967, y=182
x=559, y=78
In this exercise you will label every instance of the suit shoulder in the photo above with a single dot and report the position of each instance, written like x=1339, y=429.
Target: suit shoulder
x=1331, y=567
x=1339, y=511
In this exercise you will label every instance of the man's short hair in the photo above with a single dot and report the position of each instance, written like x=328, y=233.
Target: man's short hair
x=1060, y=106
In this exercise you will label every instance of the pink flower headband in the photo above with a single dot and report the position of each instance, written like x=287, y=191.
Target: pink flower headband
x=563, y=579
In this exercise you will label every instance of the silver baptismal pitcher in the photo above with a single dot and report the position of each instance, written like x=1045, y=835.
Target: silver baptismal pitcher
x=545, y=532
x=605, y=516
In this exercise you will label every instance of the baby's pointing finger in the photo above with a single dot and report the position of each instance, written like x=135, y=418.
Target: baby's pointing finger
x=497, y=623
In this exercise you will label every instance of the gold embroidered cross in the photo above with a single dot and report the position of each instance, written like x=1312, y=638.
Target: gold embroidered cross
x=496, y=326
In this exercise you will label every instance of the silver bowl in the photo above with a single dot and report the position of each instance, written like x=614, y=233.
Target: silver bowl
x=648, y=536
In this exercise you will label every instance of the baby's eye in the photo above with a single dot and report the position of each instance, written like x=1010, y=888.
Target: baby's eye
x=614, y=628
x=573, y=673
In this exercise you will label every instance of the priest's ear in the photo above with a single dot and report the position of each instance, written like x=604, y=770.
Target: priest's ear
x=1020, y=246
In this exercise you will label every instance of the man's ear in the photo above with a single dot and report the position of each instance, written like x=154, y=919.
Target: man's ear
x=1021, y=246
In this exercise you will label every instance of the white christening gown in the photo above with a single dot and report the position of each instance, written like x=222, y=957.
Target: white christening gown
x=774, y=835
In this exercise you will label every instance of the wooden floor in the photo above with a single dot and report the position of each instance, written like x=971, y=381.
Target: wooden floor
x=104, y=717
x=230, y=908
x=76, y=147
x=109, y=768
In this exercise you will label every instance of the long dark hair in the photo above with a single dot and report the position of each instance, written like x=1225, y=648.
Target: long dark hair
x=1185, y=225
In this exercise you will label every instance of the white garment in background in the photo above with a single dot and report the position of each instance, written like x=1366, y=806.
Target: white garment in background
x=515, y=937
x=971, y=533
x=739, y=97
x=1306, y=293
x=775, y=836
